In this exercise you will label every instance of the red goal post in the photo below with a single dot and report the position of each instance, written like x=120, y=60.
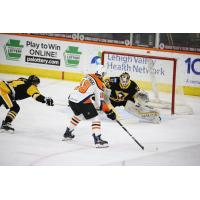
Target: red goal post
x=173, y=60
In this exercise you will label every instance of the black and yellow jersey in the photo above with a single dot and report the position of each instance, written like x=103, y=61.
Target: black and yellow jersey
x=119, y=93
x=22, y=89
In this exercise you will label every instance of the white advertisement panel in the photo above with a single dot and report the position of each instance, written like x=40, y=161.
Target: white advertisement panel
x=74, y=56
x=139, y=67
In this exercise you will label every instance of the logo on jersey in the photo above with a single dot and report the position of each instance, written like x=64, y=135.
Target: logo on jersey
x=96, y=59
x=13, y=50
x=121, y=95
x=72, y=56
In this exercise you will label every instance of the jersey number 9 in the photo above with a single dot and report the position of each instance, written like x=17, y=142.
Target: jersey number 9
x=84, y=85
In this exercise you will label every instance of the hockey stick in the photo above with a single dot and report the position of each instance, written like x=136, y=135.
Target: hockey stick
x=142, y=147
x=57, y=103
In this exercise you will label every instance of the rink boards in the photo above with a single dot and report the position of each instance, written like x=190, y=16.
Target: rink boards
x=71, y=59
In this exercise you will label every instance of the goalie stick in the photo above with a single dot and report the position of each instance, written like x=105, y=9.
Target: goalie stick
x=142, y=147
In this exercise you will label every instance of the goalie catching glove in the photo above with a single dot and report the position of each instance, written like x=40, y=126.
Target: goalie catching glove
x=141, y=97
x=49, y=101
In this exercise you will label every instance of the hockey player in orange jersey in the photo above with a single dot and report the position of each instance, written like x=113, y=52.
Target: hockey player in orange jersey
x=81, y=103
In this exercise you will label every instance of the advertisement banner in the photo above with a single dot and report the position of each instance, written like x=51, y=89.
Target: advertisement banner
x=139, y=68
x=72, y=56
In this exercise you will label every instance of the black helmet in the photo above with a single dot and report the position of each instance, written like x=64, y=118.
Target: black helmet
x=33, y=80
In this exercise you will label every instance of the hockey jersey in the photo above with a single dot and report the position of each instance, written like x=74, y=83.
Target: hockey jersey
x=119, y=93
x=90, y=86
x=21, y=89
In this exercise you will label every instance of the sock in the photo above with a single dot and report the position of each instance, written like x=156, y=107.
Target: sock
x=74, y=122
x=96, y=127
x=10, y=116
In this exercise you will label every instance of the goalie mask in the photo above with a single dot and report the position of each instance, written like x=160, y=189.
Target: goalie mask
x=124, y=79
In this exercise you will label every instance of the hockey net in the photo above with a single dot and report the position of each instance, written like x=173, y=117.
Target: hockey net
x=160, y=76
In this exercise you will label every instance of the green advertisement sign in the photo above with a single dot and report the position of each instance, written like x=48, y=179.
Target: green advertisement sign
x=13, y=49
x=72, y=56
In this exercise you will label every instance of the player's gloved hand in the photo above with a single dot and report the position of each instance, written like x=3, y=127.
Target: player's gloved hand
x=49, y=101
x=111, y=115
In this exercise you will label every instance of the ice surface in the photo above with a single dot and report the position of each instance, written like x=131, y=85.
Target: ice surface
x=39, y=131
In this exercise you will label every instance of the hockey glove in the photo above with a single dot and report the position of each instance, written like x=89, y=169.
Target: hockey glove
x=49, y=101
x=111, y=115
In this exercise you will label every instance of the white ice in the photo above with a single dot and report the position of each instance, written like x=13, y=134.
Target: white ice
x=39, y=129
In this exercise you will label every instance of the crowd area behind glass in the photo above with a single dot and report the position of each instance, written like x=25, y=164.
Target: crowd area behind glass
x=174, y=41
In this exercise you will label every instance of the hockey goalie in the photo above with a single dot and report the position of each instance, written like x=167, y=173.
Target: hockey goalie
x=122, y=91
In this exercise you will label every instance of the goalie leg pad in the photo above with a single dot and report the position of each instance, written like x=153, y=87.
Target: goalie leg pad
x=143, y=112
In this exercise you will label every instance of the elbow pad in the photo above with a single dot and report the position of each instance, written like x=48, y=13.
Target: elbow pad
x=40, y=98
x=104, y=107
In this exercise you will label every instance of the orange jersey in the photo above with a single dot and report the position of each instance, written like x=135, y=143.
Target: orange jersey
x=90, y=86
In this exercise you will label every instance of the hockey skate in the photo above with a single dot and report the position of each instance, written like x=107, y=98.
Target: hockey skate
x=68, y=135
x=6, y=127
x=99, y=143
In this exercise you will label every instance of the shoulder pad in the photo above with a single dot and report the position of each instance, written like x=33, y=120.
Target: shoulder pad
x=134, y=83
x=22, y=79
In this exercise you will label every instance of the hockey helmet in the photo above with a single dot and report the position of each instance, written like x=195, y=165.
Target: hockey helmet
x=124, y=79
x=33, y=80
x=101, y=70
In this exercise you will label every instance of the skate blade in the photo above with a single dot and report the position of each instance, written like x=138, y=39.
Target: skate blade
x=7, y=131
x=101, y=146
x=67, y=139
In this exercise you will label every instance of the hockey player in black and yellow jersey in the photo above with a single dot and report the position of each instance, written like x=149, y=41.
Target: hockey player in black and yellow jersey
x=12, y=91
x=121, y=91
x=121, y=88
